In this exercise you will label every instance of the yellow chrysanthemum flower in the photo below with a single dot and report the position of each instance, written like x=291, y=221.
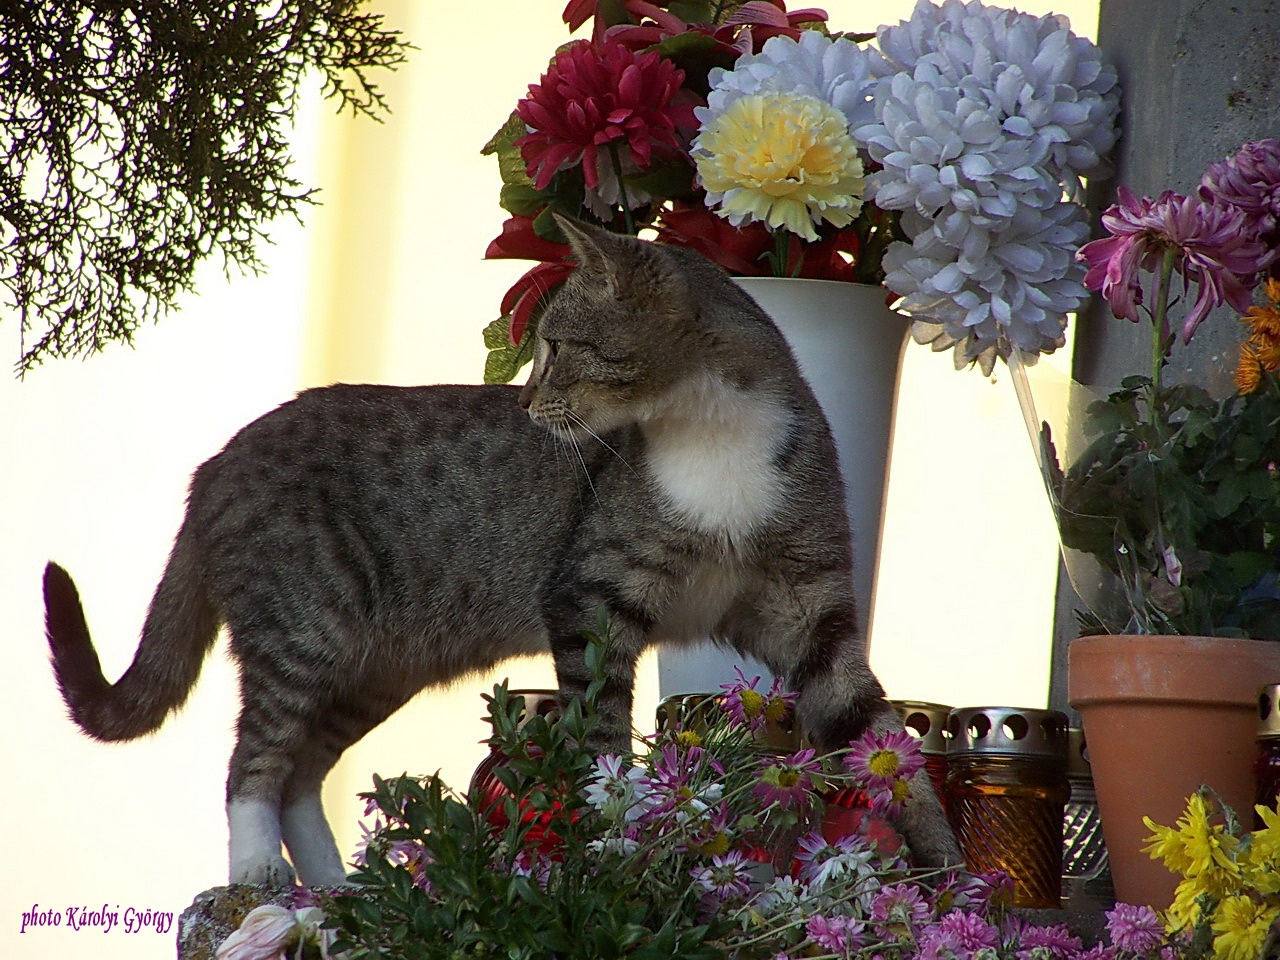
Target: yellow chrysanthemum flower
x=1260, y=861
x=1197, y=849
x=784, y=159
x=1241, y=926
x=1184, y=912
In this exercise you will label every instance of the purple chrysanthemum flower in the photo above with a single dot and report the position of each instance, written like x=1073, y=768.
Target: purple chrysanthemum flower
x=1214, y=250
x=1136, y=929
x=835, y=934
x=821, y=860
x=1250, y=181
x=787, y=781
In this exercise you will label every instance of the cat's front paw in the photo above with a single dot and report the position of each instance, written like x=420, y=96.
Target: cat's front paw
x=267, y=871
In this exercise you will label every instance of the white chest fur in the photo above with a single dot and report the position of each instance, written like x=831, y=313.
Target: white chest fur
x=712, y=453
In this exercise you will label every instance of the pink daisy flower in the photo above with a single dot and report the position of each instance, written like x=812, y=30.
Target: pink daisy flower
x=748, y=707
x=788, y=781
x=897, y=910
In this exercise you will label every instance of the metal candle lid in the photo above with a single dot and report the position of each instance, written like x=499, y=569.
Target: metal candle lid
x=1269, y=711
x=1007, y=731
x=1078, y=755
x=927, y=721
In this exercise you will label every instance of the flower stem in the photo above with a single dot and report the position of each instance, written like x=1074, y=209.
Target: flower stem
x=1161, y=338
x=622, y=189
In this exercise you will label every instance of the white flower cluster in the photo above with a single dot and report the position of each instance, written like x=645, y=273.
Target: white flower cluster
x=985, y=119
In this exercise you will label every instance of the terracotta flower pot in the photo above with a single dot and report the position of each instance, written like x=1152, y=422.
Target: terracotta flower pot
x=1163, y=715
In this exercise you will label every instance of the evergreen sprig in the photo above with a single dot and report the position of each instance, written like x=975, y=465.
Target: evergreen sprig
x=139, y=138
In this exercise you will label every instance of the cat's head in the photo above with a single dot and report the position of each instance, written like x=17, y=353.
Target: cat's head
x=634, y=324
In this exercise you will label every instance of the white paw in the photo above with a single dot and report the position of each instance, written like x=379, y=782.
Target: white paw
x=271, y=871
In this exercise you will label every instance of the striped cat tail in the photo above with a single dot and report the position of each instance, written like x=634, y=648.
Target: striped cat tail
x=181, y=628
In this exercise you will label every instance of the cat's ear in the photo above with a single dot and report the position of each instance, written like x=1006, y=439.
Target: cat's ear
x=604, y=256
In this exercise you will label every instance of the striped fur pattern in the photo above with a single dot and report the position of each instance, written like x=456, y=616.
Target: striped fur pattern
x=360, y=543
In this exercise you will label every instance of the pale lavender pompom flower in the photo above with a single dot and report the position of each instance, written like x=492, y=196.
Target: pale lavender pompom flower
x=985, y=118
x=1047, y=83
x=836, y=71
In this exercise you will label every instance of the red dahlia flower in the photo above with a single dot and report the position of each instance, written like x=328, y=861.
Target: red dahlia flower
x=595, y=97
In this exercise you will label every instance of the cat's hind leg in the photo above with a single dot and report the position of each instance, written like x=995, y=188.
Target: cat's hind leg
x=307, y=834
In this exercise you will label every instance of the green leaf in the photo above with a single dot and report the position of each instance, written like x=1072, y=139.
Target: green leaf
x=505, y=359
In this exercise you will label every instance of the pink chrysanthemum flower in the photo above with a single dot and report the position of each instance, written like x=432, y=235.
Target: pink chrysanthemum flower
x=835, y=934
x=1213, y=248
x=1054, y=942
x=787, y=781
x=1135, y=929
x=957, y=935
x=595, y=98
x=1250, y=181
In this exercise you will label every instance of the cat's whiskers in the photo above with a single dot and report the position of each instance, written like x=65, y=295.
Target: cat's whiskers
x=600, y=440
x=572, y=443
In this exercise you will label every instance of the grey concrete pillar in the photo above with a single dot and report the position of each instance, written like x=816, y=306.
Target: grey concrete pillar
x=1198, y=78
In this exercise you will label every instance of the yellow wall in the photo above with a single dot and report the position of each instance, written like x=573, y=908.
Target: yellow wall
x=386, y=283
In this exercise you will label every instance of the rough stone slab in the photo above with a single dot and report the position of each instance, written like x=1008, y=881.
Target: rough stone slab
x=216, y=913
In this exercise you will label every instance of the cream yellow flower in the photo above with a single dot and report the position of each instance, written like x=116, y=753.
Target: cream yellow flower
x=784, y=159
x=1240, y=926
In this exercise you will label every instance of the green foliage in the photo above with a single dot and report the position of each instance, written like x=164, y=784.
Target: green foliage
x=1178, y=497
x=544, y=872
x=140, y=138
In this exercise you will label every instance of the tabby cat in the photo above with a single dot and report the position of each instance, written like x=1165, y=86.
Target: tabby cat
x=665, y=459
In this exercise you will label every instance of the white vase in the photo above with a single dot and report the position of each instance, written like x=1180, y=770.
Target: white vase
x=849, y=346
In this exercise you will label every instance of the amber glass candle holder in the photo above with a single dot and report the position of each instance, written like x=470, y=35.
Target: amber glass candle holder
x=1006, y=792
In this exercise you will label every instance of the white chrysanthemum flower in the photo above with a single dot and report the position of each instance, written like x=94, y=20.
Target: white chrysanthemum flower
x=787, y=160
x=835, y=71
